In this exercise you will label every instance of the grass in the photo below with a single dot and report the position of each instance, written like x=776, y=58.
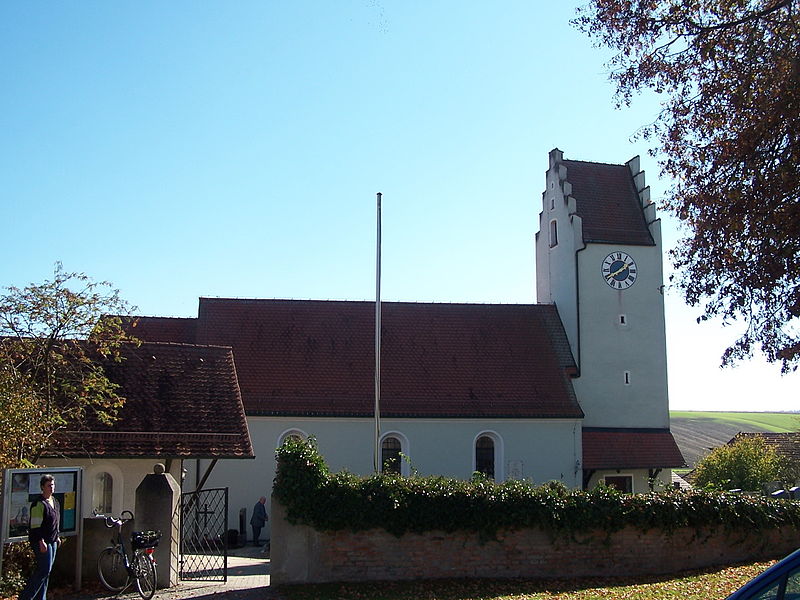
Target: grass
x=775, y=422
x=709, y=584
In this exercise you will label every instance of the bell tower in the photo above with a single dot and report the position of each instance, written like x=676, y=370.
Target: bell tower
x=599, y=260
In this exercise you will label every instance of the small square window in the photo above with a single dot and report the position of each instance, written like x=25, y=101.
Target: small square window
x=623, y=483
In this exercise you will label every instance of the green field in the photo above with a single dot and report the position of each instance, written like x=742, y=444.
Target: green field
x=745, y=421
x=696, y=432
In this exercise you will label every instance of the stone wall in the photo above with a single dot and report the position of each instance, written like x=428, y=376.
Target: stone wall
x=96, y=536
x=299, y=554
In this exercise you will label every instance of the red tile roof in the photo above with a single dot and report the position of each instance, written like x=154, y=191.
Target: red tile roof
x=785, y=444
x=181, y=401
x=608, y=203
x=608, y=448
x=163, y=329
x=306, y=357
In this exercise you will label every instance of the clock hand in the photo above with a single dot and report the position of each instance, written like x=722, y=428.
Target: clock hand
x=618, y=271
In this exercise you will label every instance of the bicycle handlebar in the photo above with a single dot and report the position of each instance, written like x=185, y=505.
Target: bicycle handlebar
x=112, y=522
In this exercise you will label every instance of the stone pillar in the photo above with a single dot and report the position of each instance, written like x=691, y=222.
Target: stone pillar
x=157, y=507
x=294, y=551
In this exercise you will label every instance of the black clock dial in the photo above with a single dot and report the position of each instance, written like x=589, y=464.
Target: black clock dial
x=619, y=270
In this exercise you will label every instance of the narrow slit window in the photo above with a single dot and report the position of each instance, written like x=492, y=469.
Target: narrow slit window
x=553, y=233
x=623, y=320
x=627, y=376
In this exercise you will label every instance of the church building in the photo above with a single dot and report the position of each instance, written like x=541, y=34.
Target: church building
x=572, y=388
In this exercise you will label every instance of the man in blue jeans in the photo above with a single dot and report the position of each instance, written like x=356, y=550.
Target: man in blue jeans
x=43, y=537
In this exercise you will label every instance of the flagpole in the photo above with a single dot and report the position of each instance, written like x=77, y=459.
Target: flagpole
x=376, y=448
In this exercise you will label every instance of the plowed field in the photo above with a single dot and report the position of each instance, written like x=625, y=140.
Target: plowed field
x=698, y=432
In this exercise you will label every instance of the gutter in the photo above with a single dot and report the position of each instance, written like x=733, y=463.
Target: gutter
x=578, y=309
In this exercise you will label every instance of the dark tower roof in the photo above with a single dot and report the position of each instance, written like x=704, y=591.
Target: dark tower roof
x=608, y=203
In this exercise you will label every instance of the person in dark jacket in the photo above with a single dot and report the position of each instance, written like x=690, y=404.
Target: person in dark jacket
x=259, y=518
x=43, y=537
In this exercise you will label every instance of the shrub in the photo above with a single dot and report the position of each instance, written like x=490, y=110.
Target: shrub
x=747, y=463
x=343, y=501
x=17, y=565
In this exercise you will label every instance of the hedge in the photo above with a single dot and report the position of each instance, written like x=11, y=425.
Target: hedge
x=343, y=501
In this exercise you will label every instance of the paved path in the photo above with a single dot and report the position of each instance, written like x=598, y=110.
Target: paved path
x=248, y=579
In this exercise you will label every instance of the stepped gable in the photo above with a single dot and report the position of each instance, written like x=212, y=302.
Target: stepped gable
x=306, y=357
x=620, y=448
x=608, y=203
x=181, y=401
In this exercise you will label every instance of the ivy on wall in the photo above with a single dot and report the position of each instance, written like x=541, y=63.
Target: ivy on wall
x=342, y=501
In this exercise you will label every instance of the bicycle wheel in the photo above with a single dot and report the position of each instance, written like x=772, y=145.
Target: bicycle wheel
x=145, y=572
x=111, y=569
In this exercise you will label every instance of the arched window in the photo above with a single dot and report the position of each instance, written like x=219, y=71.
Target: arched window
x=484, y=456
x=293, y=434
x=102, y=493
x=487, y=455
x=390, y=455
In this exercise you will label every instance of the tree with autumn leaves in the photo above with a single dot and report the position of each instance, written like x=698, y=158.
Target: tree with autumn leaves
x=729, y=137
x=54, y=337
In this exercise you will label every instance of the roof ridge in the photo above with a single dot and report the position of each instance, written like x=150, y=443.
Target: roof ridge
x=159, y=317
x=372, y=302
x=591, y=162
x=180, y=345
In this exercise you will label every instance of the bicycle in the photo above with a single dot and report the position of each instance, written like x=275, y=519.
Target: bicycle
x=118, y=571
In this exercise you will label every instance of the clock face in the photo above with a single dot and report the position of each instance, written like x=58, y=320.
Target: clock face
x=619, y=270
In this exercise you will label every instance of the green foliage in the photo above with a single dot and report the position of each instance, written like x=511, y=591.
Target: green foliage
x=18, y=562
x=747, y=463
x=54, y=337
x=743, y=421
x=343, y=501
x=727, y=75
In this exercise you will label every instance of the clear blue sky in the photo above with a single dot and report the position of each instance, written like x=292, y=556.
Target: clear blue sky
x=186, y=149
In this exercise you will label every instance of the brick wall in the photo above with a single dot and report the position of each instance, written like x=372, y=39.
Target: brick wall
x=300, y=554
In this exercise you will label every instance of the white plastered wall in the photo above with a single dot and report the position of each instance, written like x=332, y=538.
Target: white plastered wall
x=126, y=475
x=641, y=479
x=610, y=348
x=538, y=450
x=556, y=282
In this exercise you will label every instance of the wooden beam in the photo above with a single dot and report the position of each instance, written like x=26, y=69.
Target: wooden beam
x=203, y=480
x=587, y=476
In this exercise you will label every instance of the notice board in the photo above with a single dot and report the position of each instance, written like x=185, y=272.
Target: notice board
x=23, y=486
